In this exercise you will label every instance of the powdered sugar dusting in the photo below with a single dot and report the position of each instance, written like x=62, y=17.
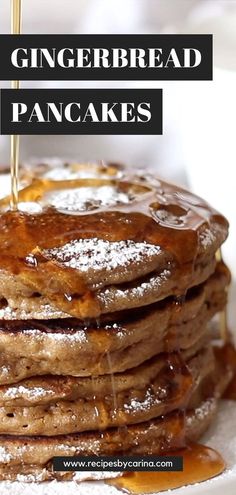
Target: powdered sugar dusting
x=86, y=254
x=45, y=311
x=151, y=286
x=87, y=198
x=141, y=405
x=5, y=456
x=32, y=478
x=207, y=238
x=14, y=392
x=202, y=411
x=5, y=370
x=76, y=337
x=95, y=475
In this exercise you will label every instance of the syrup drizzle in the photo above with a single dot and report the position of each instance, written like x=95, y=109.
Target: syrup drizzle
x=177, y=228
x=152, y=212
x=173, y=215
x=178, y=225
x=200, y=463
x=113, y=386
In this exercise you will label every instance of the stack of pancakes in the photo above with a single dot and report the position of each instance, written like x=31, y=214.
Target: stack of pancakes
x=108, y=285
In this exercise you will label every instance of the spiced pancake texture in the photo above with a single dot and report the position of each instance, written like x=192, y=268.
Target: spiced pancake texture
x=108, y=285
x=134, y=404
x=98, y=245
x=30, y=458
x=68, y=347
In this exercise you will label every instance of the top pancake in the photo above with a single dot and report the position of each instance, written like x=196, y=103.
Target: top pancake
x=82, y=230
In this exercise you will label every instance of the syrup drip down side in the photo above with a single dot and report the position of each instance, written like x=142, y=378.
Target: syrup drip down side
x=110, y=290
x=105, y=304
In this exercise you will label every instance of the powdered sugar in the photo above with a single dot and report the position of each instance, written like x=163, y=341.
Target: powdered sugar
x=87, y=198
x=141, y=405
x=76, y=337
x=44, y=311
x=95, y=475
x=207, y=407
x=86, y=254
x=28, y=393
x=5, y=456
x=207, y=238
x=32, y=478
x=4, y=370
x=146, y=288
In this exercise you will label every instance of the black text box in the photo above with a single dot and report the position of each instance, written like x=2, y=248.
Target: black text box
x=123, y=102
x=165, y=42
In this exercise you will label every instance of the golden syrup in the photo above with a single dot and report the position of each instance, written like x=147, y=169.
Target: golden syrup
x=177, y=232
x=94, y=397
x=113, y=387
x=137, y=219
x=15, y=139
x=157, y=213
x=200, y=463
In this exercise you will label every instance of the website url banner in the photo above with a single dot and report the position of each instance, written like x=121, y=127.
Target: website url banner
x=123, y=463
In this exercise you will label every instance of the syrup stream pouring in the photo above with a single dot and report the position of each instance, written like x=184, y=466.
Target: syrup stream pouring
x=15, y=139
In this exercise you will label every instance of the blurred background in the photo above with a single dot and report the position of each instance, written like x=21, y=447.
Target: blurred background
x=197, y=148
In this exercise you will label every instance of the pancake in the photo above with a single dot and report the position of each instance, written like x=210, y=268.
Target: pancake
x=68, y=347
x=145, y=291
x=109, y=281
x=168, y=389
x=97, y=246
x=49, y=389
x=104, y=262
x=30, y=458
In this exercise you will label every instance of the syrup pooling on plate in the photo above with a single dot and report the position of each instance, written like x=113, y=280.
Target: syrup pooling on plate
x=105, y=208
x=200, y=464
